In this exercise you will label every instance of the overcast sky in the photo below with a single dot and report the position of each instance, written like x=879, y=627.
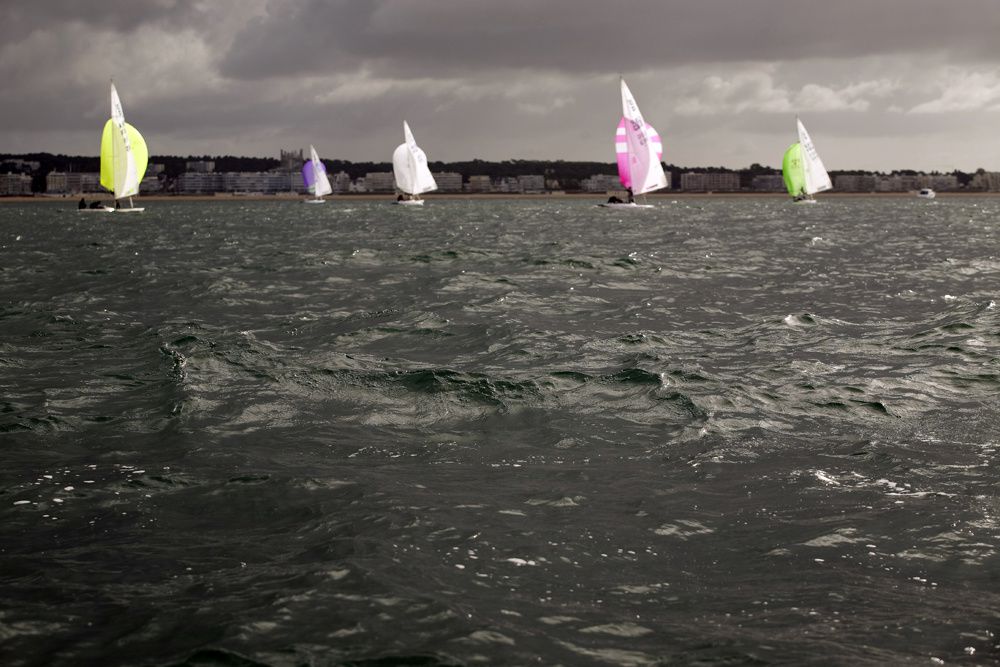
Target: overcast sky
x=880, y=84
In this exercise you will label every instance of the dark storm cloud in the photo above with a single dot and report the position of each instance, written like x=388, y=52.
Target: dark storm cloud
x=417, y=36
x=720, y=79
x=21, y=19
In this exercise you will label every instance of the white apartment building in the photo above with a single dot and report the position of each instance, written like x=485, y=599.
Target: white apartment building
x=150, y=184
x=56, y=183
x=380, y=181
x=72, y=182
x=768, y=183
x=716, y=181
x=480, y=183
x=340, y=182
x=448, y=181
x=507, y=184
x=532, y=183
x=855, y=183
x=600, y=183
x=15, y=184
x=199, y=183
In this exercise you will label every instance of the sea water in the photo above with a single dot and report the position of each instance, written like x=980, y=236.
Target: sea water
x=721, y=431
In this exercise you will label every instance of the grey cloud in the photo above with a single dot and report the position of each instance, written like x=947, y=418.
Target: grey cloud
x=21, y=19
x=513, y=79
x=412, y=36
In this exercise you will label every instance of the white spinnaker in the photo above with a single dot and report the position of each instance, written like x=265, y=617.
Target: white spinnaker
x=322, y=184
x=817, y=180
x=126, y=178
x=409, y=164
x=644, y=165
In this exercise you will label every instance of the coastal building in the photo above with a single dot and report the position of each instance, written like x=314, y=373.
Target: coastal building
x=240, y=182
x=448, y=181
x=939, y=182
x=480, y=183
x=714, y=181
x=988, y=181
x=56, y=183
x=896, y=183
x=507, y=184
x=291, y=160
x=14, y=184
x=768, y=183
x=340, y=182
x=855, y=183
x=380, y=181
x=72, y=182
x=600, y=183
x=150, y=184
x=199, y=183
x=532, y=183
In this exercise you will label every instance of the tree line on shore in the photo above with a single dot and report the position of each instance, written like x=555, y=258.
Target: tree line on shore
x=569, y=174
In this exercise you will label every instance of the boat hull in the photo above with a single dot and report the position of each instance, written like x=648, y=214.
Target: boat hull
x=409, y=202
x=314, y=201
x=626, y=205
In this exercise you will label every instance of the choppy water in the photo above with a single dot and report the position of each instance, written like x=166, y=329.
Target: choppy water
x=723, y=432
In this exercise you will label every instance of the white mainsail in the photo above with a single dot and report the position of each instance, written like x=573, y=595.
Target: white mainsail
x=322, y=183
x=817, y=180
x=644, y=165
x=126, y=176
x=409, y=164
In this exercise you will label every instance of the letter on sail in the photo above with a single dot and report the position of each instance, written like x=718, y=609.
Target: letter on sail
x=644, y=170
x=123, y=153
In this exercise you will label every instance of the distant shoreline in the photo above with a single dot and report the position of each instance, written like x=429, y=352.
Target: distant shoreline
x=582, y=196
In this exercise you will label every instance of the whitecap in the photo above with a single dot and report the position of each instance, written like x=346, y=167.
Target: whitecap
x=521, y=562
x=619, y=630
x=683, y=529
x=837, y=537
x=825, y=478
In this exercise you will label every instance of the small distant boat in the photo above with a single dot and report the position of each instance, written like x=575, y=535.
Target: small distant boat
x=802, y=169
x=409, y=166
x=927, y=193
x=314, y=176
x=639, y=149
x=123, y=159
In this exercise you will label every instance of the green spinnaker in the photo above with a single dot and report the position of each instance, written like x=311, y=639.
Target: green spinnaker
x=793, y=170
x=139, y=153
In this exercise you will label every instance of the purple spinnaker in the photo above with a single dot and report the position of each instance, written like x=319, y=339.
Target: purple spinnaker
x=309, y=174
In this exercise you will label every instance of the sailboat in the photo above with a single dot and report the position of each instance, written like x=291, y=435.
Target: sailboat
x=409, y=165
x=123, y=158
x=314, y=176
x=639, y=149
x=802, y=169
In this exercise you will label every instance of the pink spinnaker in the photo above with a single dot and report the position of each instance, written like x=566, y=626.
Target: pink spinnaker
x=621, y=149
